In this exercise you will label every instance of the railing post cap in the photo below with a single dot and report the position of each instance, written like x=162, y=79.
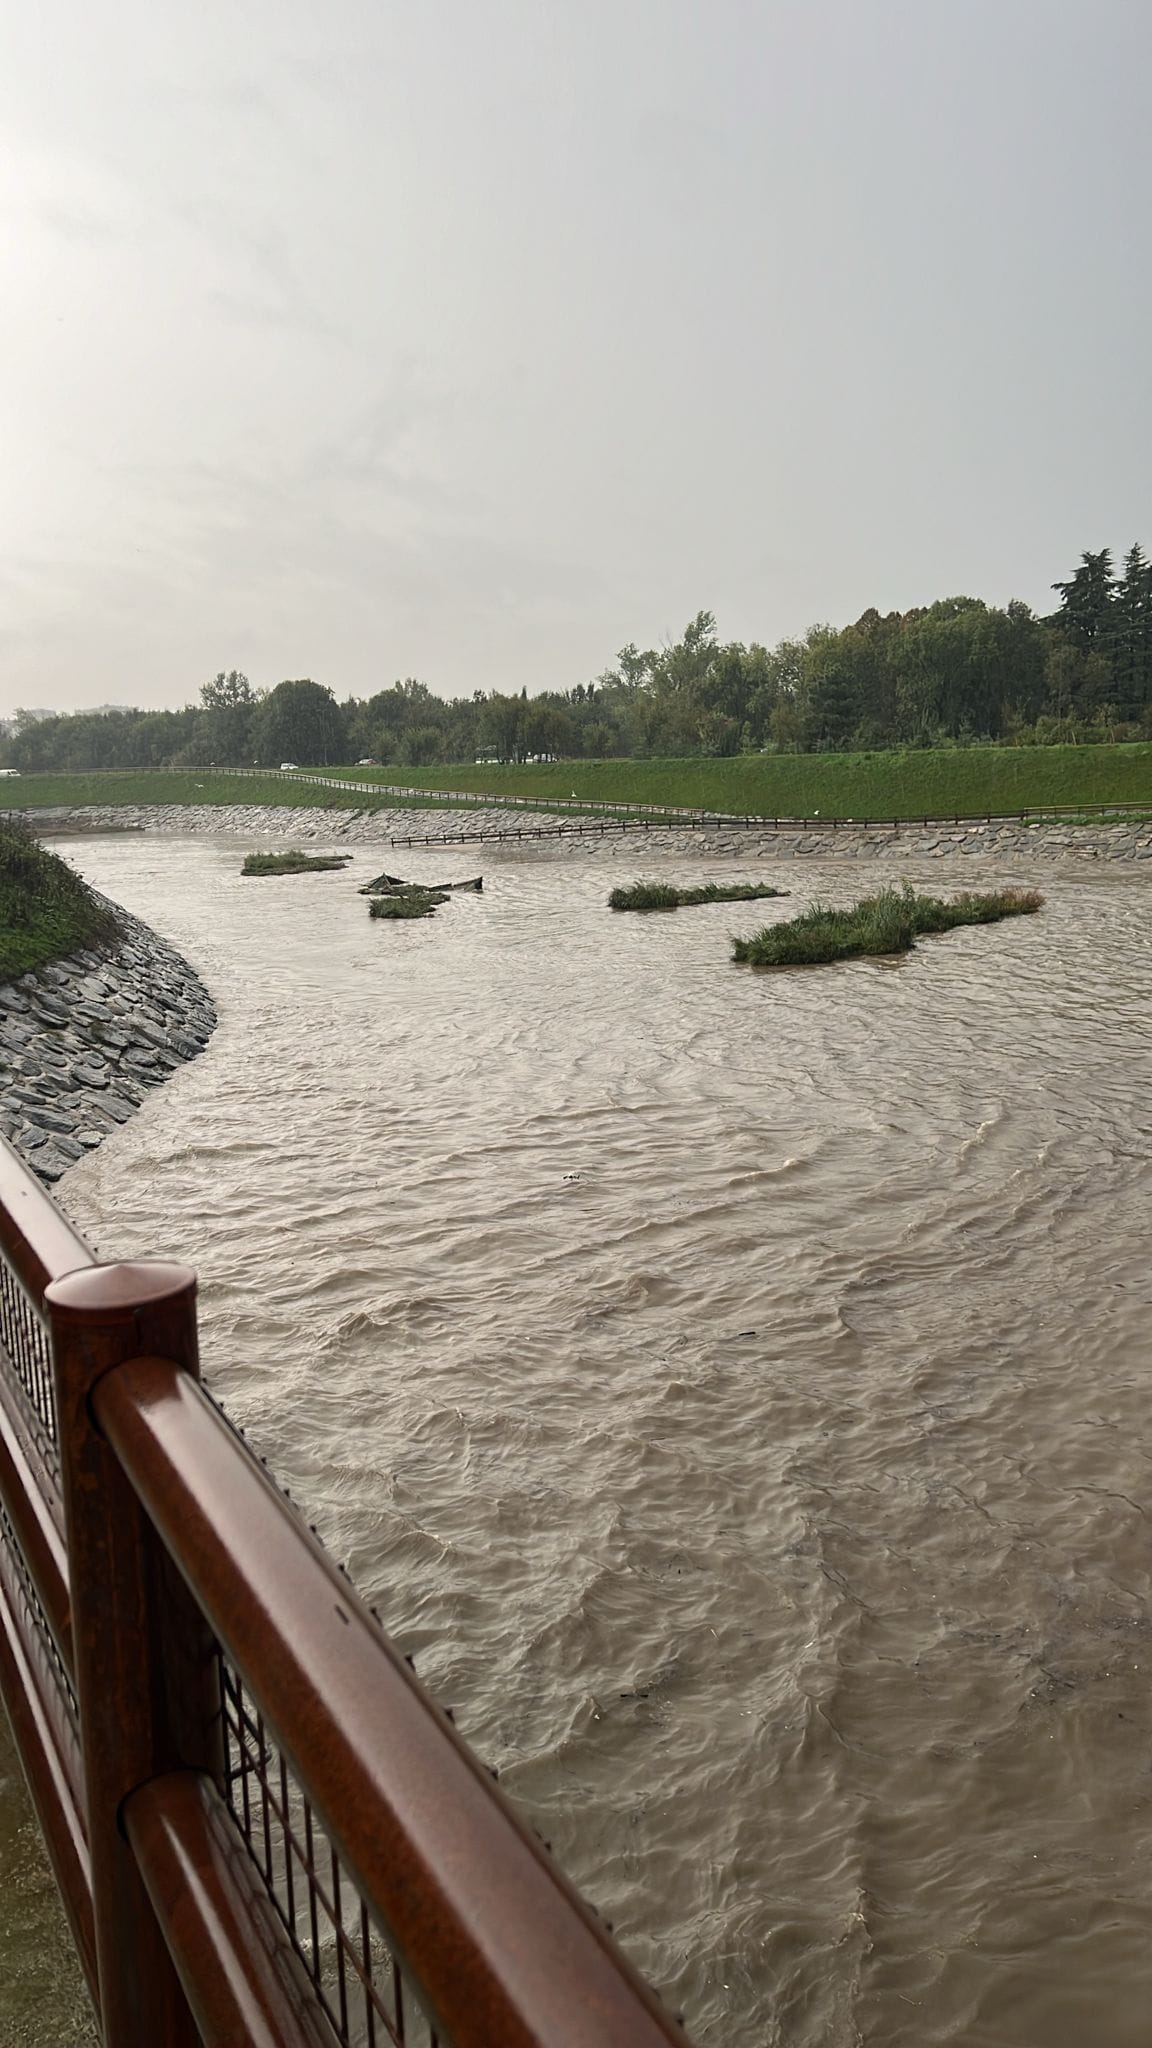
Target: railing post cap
x=107, y=1293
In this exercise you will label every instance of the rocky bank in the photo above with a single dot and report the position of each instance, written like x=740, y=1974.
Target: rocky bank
x=998, y=840
x=82, y=1040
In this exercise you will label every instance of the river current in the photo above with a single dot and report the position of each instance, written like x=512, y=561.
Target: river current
x=732, y=1387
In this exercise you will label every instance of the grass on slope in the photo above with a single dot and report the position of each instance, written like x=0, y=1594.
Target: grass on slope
x=662, y=896
x=968, y=782
x=889, y=922
x=922, y=783
x=46, y=911
x=194, y=786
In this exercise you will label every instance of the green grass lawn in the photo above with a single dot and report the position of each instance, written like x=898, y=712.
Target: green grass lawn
x=969, y=782
x=889, y=785
x=191, y=786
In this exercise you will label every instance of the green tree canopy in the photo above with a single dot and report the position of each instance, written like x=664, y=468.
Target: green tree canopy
x=300, y=721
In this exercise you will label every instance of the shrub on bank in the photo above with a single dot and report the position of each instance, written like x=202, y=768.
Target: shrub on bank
x=662, y=896
x=889, y=922
x=46, y=911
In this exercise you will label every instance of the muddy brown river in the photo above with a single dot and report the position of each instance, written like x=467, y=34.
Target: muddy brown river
x=734, y=1388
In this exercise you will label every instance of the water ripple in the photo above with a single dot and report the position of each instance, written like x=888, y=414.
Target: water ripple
x=733, y=1386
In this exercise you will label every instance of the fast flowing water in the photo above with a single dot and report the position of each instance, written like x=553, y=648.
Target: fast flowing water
x=733, y=1387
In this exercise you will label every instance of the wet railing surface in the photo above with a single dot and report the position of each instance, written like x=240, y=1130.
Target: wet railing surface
x=263, y=1829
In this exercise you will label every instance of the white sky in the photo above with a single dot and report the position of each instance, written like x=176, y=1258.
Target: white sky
x=472, y=340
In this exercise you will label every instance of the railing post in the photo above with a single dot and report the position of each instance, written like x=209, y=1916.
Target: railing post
x=146, y=1672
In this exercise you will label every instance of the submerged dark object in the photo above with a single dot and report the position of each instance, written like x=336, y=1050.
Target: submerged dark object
x=393, y=885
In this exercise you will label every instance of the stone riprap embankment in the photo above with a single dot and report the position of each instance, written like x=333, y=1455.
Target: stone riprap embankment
x=278, y=821
x=1000, y=841
x=82, y=1040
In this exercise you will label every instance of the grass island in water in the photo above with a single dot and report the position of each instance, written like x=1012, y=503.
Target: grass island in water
x=407, y=903
x=889, y=922
x=293, y=863
x=662, y=896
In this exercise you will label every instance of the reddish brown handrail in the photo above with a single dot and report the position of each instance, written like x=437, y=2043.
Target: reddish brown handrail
x=273, y=1824
x=503, y=1947
x=240, y=1975
x=37, y=1242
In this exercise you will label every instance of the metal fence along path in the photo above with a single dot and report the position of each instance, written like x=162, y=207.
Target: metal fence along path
x=595, y=815
x=263, y=1829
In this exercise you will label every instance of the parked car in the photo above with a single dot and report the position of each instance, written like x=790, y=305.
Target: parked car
x=9, y=771
x=367, y=762
x=286, y=764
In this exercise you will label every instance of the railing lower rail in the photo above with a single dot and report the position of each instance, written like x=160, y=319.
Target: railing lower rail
x=263, y=1829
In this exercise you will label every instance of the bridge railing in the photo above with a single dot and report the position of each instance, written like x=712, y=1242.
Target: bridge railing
x=263, y=1829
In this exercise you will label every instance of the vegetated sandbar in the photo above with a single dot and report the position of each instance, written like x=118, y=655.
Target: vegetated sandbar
x=889, y=922
x=407, y=903
x=293, y=863
x=662, y=895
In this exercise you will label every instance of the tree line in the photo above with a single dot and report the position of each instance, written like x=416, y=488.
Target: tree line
x=955, y=673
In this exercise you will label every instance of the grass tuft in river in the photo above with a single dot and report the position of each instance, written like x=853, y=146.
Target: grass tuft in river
x=662, y=896
x=889, y=922
x=413, y=903
x=292, y=863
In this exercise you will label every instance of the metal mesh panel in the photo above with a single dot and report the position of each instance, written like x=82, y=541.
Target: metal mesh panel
x=24, y=1337
x=51, y=1678
x=369, y=2000
x=26, y=1601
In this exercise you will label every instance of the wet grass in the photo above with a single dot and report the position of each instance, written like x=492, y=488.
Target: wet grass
x=407, y=903
x=935, y=784
x=904, y=784
x=293, y=863
x=46, y=911
x=662, y=896
x=889, y=922
x=135, y=787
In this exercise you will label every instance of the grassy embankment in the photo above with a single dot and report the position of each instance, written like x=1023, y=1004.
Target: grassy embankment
x=969, y=781
x=196, y=786
x=662, y=896
x=293, y=863
x=889, y=922
x=46, y=911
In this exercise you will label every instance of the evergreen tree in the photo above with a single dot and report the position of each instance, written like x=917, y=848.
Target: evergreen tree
x=1132, y=639
x=1085, y=615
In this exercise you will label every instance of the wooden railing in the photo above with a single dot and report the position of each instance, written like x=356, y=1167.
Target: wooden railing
x=263, y=1829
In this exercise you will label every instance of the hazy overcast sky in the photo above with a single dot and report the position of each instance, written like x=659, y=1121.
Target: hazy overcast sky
x=470, y=339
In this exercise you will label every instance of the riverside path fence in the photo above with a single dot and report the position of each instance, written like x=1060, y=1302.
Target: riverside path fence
x=263, y=1829
x=667, y=816
x=592, y=816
